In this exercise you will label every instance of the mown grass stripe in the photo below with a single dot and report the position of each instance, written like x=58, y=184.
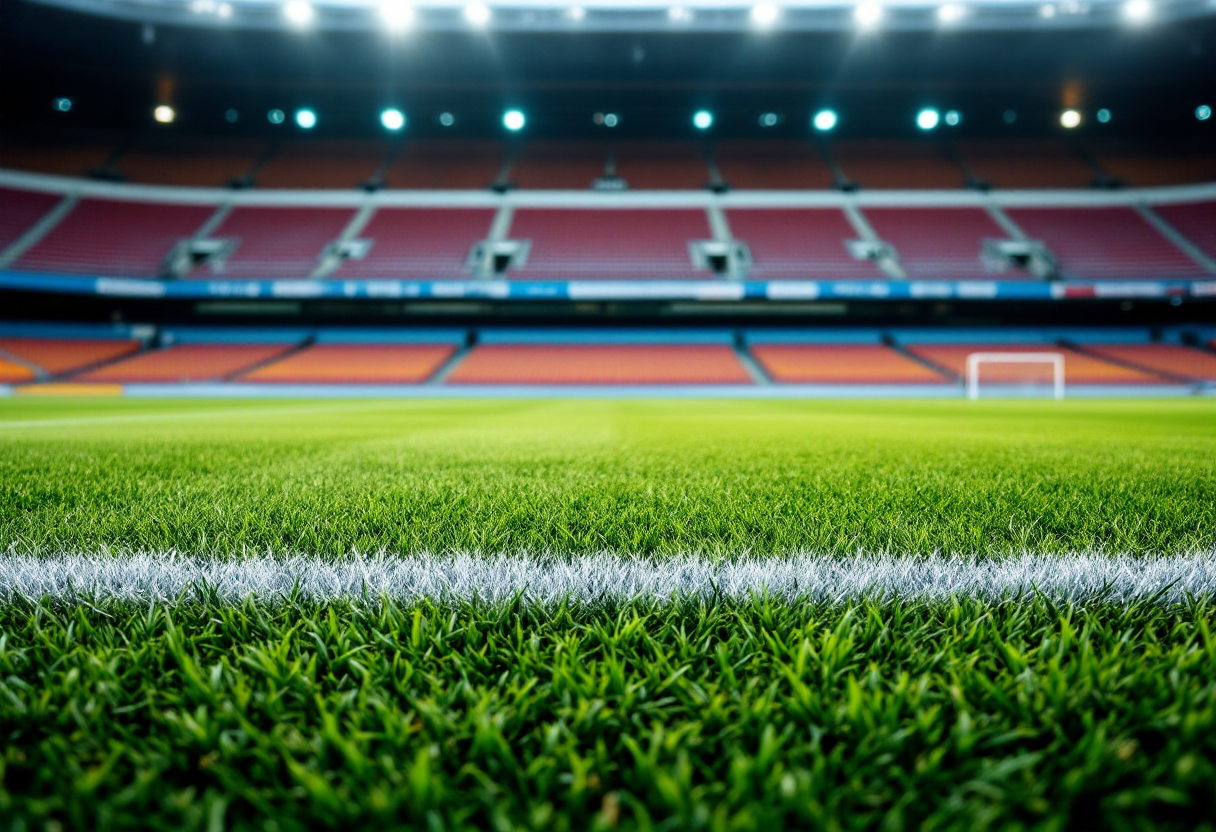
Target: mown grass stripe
x=600, y=578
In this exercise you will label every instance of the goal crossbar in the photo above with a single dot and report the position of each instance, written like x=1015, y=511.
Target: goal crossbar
x=1055, y=359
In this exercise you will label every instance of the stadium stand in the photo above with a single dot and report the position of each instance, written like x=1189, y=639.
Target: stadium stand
x=898, y=164
x=1079, y=368
x=578, y=243
x=57, y=356
x=115, y=238
x=355, y=364
x=12, y=372
x=277, y=242
x=422, y=243
x=937, y=243
x=1026, y=163
x=661, y=166
x=1171, y=360
x=446, y=165
x=184, y=363
x=206, y=163
x=773, y=166
x=841, y=364
x=19, y=210
x=1104, y=243
x=322, y=164
x=559, y=165
x=80, y=155
x=798, y=243
x=571, y=364
x=1194, y=220
x=1140, y=165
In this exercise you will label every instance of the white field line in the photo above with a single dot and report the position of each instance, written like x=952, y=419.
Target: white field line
x=173, y=578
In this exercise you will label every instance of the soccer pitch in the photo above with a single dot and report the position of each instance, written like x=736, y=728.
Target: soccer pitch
x=608, y=614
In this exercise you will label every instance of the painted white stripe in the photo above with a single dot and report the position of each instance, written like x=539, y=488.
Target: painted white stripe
x=172, y=578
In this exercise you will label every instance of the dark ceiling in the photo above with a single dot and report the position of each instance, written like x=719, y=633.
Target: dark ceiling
x=1151, y=79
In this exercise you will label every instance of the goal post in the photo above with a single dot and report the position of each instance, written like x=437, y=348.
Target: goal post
x=976, y=359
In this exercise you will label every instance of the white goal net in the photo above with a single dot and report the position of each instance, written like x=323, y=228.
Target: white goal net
x=1015, y=374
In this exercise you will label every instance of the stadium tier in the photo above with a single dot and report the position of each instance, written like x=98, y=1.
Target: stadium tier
x=574, y=364
x=1194, y=220
x=422, y=243
x=1026, y=164
x=184, y=363
x=1079, y=368
x=773, y=166
x=322, y=164
x=355, y=364
x=799, y=243
x=57, y=356
x=842, y=364
x=938, y=243
x=114, y=237
x=1170, y=360
x=898, y=164
x=19, y=211
x=559, y=166
x=614, y=243
x=276, y=242
x=451, y=165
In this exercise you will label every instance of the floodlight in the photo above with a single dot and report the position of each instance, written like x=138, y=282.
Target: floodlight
x=611, y=119
x=397, y=15
x=477, y=13
x=703, y=119
x=928, y=118
x=769, y=119
x=513, y=120
x=951, y=13
x=765, y=14
x=1137, y=11
x=825, y=120
x=868, y=15
x=953, y=118
x=1047, y=12
x=447, y=119
x=1010, y=116
x=63, y=105
x=679, y=14
x=1203, y=112
x=577, y=13
x=306, y=119
x=231, y=116
x=224, y=10
x=299, y=12
x=1103, y=115
x=392, y=119
x=1070, y=119
x=275, y=117
x=164, y=114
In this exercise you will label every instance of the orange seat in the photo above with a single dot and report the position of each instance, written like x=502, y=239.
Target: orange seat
x=188, y=362
x=600, y=364
x=61, y=355
x=1078, y=368
x=1171, y=359
x=12, y=373
x=356, y=364
x=841, y=364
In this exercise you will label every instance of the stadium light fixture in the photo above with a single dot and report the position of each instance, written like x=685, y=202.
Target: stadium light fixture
x=1137, y=11
x=950, y=13
x=299, y=12
x=1047, y=11
x=703, y=119
x=1203, y=112
x=769, y=119
x=447, y=119
x=63, y=105
x=276, y=116
x=397, y=15
x=679, y=14
x=1103, y=116
x=576, y=13
x=224, y=10
x=825, y=120
x=514, y=120
x=306, y=119
x=765, y=14
x=164, y=114
x=868, y=15
x=611, y=119
x=478, y=14
x=1010, y=116
x=231, y=116
x=1070, y=119
x=953, y=118
x=392, y=119
x=928, y=119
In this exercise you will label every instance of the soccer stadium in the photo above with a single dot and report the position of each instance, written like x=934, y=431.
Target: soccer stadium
x=530, y=414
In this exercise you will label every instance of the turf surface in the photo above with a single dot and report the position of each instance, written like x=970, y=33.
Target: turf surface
x=628, y=477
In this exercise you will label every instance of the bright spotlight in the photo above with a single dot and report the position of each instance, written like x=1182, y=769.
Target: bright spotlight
x=769, y=119
x=513, y=120
x=392, y=119
x=477, y=13
x=928, y=118
x=397, y=15
x=275, y=117
x=611, y=119
x=224, y=10
x=679, y=14
x=447, y=119
x=951, y=13
x=164, y=114
x=1203, y=112
x=825, y=120
x=1070, y=119
x=703, y=119
x=868, y=15
x=765, y=14
x=62, y=105
x=299, y=12
x=306, y=119
x=1103, y=116
x=1137, y=11
x=953, y=118
x=577, y=13
x=1047, y=12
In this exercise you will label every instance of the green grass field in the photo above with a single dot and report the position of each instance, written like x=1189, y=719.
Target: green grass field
x=654, y=713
